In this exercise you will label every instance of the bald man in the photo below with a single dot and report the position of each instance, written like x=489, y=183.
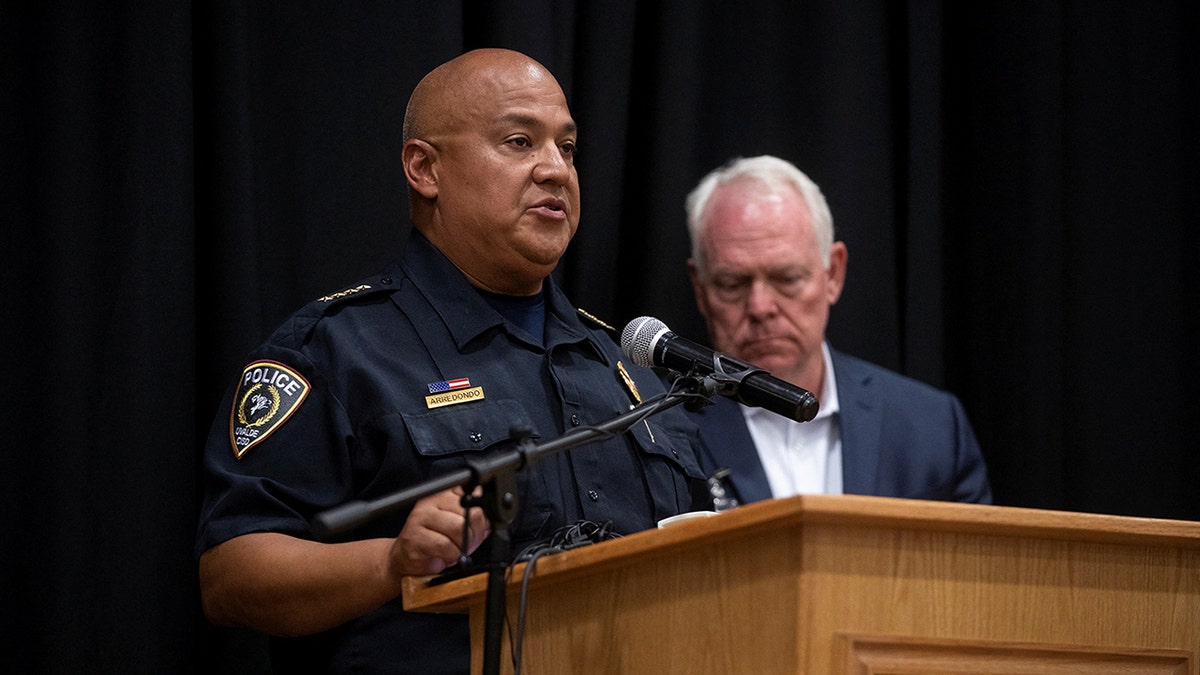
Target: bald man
x=401, y=377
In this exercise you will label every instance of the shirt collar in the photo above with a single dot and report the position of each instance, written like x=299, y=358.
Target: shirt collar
x=829, y=395
x=464, y=311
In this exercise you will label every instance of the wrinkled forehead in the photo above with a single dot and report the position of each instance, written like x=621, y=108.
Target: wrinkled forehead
x=748, y=223
x=751, y=204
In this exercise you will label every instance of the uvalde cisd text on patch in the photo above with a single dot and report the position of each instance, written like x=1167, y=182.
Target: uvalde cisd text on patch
x=267, y=395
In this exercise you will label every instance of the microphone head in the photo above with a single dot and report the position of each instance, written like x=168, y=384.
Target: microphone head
x=640, y=337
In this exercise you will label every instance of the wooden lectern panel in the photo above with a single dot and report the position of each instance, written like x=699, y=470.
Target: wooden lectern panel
x=882, y=655
x=824, y=584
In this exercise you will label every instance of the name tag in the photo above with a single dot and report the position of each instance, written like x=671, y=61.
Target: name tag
x=454, y=397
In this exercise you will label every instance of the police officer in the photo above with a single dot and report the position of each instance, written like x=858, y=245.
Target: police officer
x=398, y=378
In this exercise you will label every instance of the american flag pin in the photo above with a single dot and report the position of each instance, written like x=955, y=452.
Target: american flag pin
x=449, y=385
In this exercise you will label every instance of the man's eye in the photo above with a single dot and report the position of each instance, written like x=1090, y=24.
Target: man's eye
x=789, y=284
x=569, y=148
x=520, y=142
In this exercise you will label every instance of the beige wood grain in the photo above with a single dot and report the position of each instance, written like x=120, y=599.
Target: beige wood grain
x=886, y=655
x=769, y=587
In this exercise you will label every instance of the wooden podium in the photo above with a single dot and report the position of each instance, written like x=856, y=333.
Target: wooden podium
x=858, y=585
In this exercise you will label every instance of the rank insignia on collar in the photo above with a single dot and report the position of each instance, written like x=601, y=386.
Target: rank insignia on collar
x=266, y=397
x=596, y=320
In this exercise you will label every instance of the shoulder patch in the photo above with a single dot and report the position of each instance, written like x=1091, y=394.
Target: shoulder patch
x=267, y=395
x=587, y=315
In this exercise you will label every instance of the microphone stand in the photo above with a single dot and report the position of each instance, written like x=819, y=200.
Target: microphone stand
x=496, y=473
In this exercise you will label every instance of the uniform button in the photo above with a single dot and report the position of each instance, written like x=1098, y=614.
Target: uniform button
x=386, y=281
x=676, y=453
x=476, y=436
x=593, y=495
x=574, y=420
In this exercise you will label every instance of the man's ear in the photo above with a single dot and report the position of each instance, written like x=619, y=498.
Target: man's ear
x=420, y=167
x=838, y=256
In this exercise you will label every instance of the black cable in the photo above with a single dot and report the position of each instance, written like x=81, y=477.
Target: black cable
x=519, y=640
x=579, y=534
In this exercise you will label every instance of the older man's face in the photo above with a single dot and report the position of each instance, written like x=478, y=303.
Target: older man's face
x=761, y=285
x=507, y=184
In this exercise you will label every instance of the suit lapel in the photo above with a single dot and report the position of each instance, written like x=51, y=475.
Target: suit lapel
x=727, y=443
x=860, y=426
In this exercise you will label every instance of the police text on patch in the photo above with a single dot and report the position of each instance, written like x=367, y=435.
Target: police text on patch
x=266, y=397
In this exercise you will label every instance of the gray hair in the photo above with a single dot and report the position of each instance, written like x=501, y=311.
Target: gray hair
x=773, y=173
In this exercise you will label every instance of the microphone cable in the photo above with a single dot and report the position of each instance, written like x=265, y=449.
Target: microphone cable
x=581, y=533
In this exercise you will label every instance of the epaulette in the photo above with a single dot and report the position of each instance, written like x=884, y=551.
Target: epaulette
x=328, y=303
x=587, y=315
x=301, y=324
x=345, y=293
x=369, y=286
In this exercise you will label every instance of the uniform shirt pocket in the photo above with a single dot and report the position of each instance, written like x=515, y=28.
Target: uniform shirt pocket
x=445, y=437
x=470, y=427
x=670, y=443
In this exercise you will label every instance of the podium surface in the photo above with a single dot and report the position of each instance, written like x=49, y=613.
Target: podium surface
x=859, y=585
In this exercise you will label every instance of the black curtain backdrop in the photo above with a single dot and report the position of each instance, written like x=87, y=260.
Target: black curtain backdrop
x=1015, y=181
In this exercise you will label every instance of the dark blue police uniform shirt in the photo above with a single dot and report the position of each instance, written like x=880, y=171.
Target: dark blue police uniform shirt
x=337, y=405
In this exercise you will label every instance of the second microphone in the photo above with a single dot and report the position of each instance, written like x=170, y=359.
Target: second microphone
x=650, y=343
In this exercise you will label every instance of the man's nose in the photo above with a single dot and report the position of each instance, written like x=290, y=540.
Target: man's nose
x=760, y=301
x=551, y=166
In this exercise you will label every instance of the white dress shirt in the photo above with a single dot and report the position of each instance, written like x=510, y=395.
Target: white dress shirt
x=801, y=458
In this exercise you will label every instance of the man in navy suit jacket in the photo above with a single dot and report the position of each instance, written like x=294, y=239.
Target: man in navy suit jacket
x=765, y=270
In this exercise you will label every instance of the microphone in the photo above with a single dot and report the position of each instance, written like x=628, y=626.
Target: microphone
x=650, y=343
